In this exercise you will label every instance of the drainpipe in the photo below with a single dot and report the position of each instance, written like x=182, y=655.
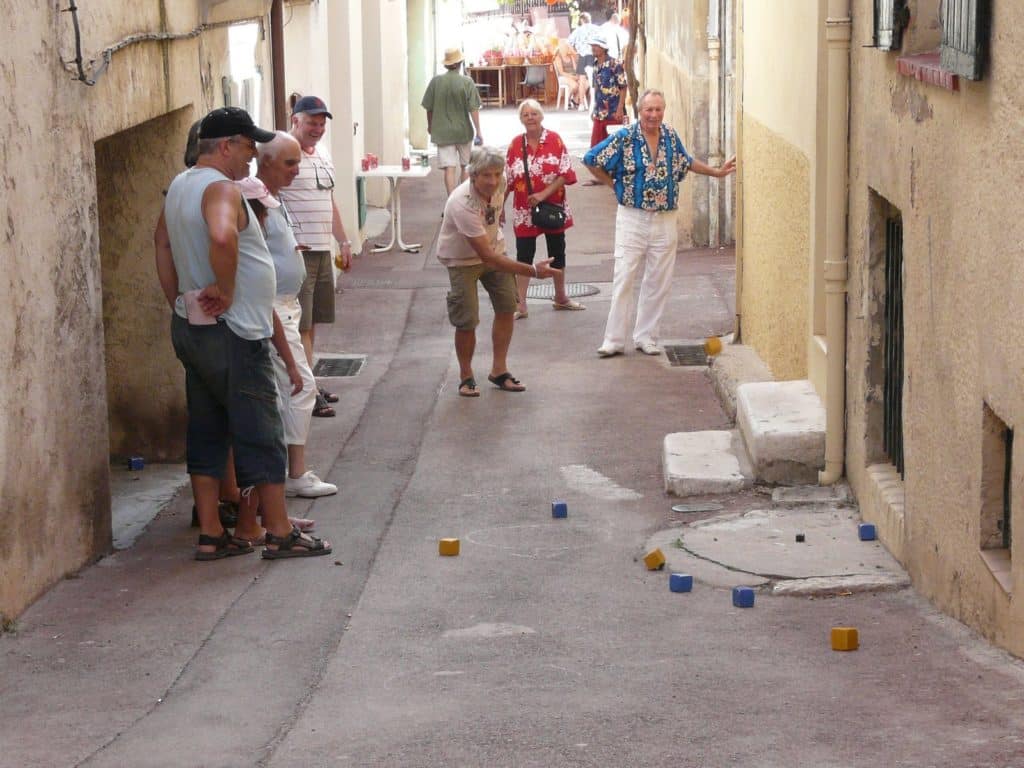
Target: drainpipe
x=738, y=183
x=837, y=37
x=714, y=117
x=277, y=64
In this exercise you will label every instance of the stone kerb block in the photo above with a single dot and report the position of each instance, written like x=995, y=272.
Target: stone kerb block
x=783, y=427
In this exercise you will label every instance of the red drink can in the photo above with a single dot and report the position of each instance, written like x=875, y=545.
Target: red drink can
x=406, y=163
x=366, y=163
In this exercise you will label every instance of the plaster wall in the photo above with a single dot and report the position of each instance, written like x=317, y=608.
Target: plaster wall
x=385, y=73
x=145, y=392
x=54, y=435
x=963, y=333
x=677, y=63
x=420, y=63
x=777, y=162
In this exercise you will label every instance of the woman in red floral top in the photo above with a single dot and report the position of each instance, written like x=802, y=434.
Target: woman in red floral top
x=550, y=171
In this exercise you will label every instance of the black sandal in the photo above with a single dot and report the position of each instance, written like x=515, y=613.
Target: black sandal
x=330, y=397
x=227, y=510
x=226, y=546
x=295, y=544
x=468, y=388
x=507, y=382
x=322, y=409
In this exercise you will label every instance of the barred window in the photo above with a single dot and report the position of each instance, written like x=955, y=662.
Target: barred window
x=891, y=17
x=965, y=31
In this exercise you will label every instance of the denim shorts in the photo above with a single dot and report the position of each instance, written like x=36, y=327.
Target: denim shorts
x=232, y=402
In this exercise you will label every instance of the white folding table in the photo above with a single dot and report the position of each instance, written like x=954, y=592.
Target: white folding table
x=395, y=174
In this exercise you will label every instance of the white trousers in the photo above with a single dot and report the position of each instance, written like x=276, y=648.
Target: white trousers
x=642, y=239
x=296, y=411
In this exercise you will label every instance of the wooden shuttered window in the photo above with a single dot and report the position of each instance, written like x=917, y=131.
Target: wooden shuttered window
x=891, y=17
x=965, y=25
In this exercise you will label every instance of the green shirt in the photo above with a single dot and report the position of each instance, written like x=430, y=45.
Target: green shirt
x=451, y=97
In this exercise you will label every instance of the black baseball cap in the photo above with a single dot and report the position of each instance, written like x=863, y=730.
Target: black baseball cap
x=311, y=105
x=232, y=121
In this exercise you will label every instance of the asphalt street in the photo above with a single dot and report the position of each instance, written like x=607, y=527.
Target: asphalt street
x=546, y=642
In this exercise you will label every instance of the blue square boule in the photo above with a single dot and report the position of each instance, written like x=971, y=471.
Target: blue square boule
x=680, y=582
x=743, y=597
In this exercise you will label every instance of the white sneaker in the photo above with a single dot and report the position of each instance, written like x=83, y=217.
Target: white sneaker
x=309, y=486
x=606, y=350
x=649, y=348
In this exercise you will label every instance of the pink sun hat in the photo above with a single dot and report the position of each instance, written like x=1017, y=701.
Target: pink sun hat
x=254, y=189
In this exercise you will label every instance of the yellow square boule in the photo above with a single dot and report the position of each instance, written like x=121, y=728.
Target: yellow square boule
x=448, y=547
x=654, y=560
x=844, y=639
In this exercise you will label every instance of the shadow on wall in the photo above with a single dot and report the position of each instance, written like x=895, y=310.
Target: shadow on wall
x=145, y=384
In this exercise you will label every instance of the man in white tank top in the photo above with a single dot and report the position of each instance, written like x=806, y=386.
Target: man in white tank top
x=221, y=329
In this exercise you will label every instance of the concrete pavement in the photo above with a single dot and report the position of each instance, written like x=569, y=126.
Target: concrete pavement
x=545, y=642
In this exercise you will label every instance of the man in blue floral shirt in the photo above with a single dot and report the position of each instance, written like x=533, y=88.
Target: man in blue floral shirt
x=609, y=88
x=645, y=165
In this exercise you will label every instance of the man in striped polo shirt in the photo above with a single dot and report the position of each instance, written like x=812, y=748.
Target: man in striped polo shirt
x=315, y=220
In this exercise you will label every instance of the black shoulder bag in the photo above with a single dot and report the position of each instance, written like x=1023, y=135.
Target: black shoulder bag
x=544, y=215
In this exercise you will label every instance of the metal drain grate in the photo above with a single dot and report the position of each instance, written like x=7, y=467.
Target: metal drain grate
x=546, y=290
x=364, y=282
x=686, y=354
x=339, y=367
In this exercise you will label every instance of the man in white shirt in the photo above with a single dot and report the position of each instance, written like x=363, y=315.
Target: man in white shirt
x=616, y=35
x=316, y=220
x=580, y=41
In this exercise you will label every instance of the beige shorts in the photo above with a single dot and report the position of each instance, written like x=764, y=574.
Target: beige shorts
x=464, y=300
x=316, y=296
x=452, y=155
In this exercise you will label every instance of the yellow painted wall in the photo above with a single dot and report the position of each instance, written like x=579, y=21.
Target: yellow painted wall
x=779, y=119
x=949, y=162
x=776, y=247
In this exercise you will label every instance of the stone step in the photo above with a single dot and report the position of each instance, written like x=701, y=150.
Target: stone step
x=698, y=463
x=783, y=428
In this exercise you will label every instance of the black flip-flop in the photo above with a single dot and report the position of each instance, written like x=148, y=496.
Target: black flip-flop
x=471, y=389
x=507, y=382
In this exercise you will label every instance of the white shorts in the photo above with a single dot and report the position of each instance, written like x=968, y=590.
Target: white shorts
x=296, y=410
x=451, y=155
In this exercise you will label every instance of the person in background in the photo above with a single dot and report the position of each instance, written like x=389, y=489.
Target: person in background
x=609, y=91
x=644, y=165
x=580, y=42
x=550, y=171
x=316, y=221
x=564, y=63
x=616, y=35
x=452, y=103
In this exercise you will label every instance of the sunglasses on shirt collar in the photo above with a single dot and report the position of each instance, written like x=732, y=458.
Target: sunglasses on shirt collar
x=490, y=214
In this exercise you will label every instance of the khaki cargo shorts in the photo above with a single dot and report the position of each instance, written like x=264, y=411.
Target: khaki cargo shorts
x=464, y=300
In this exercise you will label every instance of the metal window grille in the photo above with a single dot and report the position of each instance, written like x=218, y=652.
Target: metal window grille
x=965, y=28
x=892, y=344
x=1007, y=486
x=891, y=17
